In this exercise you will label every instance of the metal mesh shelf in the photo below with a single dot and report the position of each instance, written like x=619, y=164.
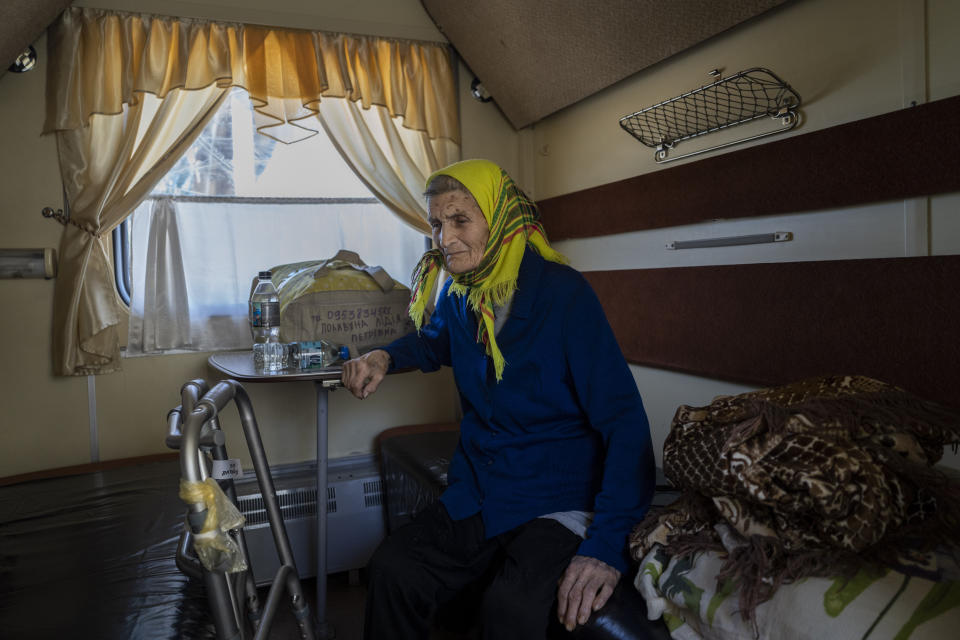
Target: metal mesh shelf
x=734, y=100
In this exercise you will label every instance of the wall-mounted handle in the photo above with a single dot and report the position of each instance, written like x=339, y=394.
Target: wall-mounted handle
x=28, y=263
x=732, y=241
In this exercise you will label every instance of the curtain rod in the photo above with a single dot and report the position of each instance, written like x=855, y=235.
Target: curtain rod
x=263, y=200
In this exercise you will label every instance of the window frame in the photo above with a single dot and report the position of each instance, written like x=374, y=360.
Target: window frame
x=122, y=266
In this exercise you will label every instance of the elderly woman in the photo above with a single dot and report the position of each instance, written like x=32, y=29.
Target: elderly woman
x=554, y=463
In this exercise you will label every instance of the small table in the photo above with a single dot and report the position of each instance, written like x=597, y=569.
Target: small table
x=239, y=366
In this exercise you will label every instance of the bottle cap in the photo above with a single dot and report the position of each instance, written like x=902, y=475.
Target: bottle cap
x=344, y=353
x=264, y=274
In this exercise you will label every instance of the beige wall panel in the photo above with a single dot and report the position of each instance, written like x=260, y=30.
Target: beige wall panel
x=132, y=404
x=487, y=133
x=29, y=175
x=943, y=51
x=44, y=419
x=407, y=398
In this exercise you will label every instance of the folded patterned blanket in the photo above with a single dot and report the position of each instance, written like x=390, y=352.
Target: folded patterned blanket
x=806, y=479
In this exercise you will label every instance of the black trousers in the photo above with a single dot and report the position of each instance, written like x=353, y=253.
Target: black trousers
x=428, y=562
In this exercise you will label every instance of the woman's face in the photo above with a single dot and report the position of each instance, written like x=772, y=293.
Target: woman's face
x=459, y=229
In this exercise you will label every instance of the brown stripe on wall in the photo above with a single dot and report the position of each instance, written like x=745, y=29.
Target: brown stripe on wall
x=895, y=319
x=903, y=154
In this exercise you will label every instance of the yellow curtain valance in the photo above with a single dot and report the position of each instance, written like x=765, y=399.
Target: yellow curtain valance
x=101, y=60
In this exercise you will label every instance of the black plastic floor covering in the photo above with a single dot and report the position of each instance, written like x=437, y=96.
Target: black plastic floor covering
x=92, y=556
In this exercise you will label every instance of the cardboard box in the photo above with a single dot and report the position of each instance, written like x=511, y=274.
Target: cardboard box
x=341, y=300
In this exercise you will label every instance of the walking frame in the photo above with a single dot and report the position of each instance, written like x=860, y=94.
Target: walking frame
x=194, y=430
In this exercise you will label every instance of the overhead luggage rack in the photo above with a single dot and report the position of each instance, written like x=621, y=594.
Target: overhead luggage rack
x=734, y=100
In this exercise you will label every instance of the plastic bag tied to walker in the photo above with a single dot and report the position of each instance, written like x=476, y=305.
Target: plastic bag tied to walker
x=214, y=546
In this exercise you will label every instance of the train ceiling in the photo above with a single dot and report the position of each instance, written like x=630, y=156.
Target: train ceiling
x=535, y=57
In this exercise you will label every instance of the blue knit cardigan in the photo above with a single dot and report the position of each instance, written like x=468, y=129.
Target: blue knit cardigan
x=564, y=429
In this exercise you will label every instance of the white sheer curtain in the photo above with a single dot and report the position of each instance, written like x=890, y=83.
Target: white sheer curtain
x=160, y=314
x=224, y=245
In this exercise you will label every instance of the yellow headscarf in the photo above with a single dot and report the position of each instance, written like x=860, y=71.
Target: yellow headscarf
x=514, y=223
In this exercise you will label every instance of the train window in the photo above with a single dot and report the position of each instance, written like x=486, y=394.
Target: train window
x=239, y=202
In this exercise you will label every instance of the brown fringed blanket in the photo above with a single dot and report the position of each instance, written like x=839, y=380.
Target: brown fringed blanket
x=811, y=478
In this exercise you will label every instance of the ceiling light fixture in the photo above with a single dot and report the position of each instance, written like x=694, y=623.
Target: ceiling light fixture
x=478, y=91
x=25, y=61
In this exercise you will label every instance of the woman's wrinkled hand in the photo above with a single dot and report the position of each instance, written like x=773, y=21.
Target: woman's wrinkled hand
x=363, y=375
x=586, y=586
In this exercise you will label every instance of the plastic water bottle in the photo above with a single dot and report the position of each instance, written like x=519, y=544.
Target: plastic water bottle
x=265, y=325
x=317, y=354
